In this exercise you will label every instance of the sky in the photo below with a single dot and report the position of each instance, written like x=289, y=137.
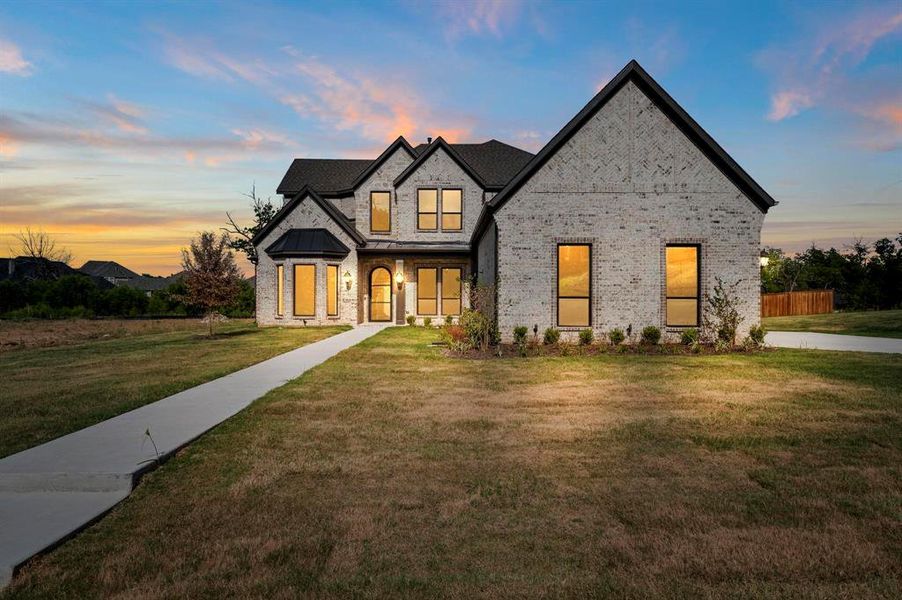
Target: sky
x=127, y=127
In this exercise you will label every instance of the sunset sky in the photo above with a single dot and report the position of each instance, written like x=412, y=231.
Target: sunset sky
x=127, y=127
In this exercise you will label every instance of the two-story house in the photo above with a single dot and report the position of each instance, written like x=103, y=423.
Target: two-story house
x=625, y=217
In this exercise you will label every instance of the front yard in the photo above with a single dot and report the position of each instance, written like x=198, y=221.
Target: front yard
x=876, y=323
x=89, y=371
x=394, y=471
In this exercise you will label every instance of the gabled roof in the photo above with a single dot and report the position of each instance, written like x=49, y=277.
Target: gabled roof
x=634, y=72
x=494, y=161
x=308, y=242
x=398, y=143
x=328, y=176
x=107, y=268
x=439, y=142
x=325, y=205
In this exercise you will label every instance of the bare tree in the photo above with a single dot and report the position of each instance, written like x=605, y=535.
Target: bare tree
x=36, y=243
x=212, y=277
x=264, y=211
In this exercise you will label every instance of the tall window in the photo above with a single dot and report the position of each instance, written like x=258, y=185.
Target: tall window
x=451, y=209
x=380, y=294
x=305, y=290
x=427, y=291
x=682, y=286
x=451, y=291
x=573, y=284
x=280, y=290
x=331, y=290
x=427, y=209
x=380, y=212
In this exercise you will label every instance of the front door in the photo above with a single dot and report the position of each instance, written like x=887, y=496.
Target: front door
x=380, y=294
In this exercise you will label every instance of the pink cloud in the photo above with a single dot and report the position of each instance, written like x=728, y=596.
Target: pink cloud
x=789, y=103
x=11, y=59
x=479, y=17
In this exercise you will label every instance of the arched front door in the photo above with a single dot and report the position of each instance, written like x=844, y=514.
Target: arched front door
x=380, y=294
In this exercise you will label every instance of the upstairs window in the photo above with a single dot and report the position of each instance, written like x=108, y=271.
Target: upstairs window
x=573, y=285
x=427, y=291
x=451, y=288
x=305, y=290
x=380, y=212
x=331, y=290
x=427, y=209
x=452, y=202
x=682, y=275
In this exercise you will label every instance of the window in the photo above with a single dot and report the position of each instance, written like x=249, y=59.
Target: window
x=331, y=290
x=451, y=291
x=280, y=290
x=380, y=294
x=427, y=209
x=427, y=291
x=573, y=285
x=682, y=286
x=451, y=209
x=380, y=212
x=304, y=290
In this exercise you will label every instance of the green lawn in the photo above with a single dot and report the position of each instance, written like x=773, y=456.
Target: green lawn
x=48, y=392
x=393, y=471
x=877, y=323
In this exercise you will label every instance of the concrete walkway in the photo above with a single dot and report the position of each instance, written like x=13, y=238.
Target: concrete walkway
x=51, y=491
x=831, y=341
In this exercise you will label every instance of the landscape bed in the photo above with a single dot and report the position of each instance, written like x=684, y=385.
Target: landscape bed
x=392, y=471
x=94, y=370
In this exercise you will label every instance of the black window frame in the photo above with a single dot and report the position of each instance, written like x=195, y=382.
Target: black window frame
x=557, y=283
x=437, y=209
x=442, y=211
x=337, y=289
x=294, y=290
x=381, y=231
x=698, y=286
x=460, y=289
x=436, y=292
x=391, y=295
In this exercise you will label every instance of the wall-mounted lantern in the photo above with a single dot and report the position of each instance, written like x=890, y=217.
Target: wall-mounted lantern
x=347, y=279
x=765, y=259
x=399, y=279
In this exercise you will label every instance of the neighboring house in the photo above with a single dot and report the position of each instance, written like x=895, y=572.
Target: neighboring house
x=109, y=270
x=626, y=217
x=28, y=268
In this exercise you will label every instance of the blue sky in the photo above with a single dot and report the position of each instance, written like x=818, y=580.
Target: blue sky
x=127, y=127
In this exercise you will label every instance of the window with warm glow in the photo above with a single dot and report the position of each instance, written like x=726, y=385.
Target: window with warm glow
x=280, y=290
x=427, y=209
x=380, y=295
x=451, y=288
x=304, y=290
x=452, y=201
x=332, y=290
x=682, y=286
x=380, y=212
x=573, y=285
x=427, y=291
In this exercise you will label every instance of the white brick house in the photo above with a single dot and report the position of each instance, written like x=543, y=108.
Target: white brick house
x=625, y=218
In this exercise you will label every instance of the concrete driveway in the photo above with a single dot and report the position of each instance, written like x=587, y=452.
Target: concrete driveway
x=831, y=341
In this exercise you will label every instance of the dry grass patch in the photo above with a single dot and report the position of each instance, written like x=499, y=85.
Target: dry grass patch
x=392, y=471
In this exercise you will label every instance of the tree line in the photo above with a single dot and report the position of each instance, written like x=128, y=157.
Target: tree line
x=865, y=276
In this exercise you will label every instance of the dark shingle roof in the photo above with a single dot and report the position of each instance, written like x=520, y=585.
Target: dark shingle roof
x=106, y=268
x=495, y=162
x=308, y=242
x=325, y=175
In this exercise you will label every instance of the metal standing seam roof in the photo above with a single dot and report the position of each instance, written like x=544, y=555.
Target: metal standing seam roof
x=308, y=242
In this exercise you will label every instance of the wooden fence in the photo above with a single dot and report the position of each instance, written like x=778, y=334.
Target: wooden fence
x=813, y=302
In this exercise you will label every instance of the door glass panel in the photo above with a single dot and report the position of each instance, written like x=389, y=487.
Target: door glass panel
x=380, y=295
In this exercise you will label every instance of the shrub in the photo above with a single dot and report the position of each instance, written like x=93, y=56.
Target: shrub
x=616, y=336
x=455, y=337
x=479, y=328
x=551, y=336
x=449, y=320
x=427, y=322
x=756, y=335
x=689, y=336
x=520, y=332
x=722, y=313
x=586, y=337
x=651, y=335
x=411, y=320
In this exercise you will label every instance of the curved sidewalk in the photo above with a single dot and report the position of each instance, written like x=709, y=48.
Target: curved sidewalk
x=832, y=341
x=51, y=491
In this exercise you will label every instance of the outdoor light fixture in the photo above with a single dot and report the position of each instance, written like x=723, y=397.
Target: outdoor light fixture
x=399, y=279
x=347, y=280
x=764, y=258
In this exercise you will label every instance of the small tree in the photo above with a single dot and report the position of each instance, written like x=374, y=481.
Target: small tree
x=722, y=317
x=264, y=211
x=211, y=275
x=36, y=243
